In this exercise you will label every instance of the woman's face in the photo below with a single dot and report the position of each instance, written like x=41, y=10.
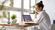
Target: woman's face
x=37, y=9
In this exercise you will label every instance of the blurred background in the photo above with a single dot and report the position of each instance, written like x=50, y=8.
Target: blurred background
x=19, y=7
x=8, y=8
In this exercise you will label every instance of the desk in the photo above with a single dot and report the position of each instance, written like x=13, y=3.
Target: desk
x=27, y=24
x=22, y=27
x=7, y=24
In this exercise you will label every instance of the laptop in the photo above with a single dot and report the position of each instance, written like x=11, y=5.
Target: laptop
x=26, y=18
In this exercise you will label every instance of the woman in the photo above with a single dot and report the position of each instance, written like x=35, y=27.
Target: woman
x=42, y=17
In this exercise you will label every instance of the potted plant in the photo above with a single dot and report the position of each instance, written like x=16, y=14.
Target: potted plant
x=13, y=19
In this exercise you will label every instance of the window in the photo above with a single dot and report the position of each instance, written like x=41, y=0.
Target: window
x=26, y=4
x=17, y=9
x=18, y=15
x=17, y=3
x=32, y=4
x=3, y=17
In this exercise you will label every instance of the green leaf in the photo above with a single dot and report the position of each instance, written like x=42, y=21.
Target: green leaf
x=13, y=16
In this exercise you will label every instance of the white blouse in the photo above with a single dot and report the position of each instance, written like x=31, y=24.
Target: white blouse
x=43, y=19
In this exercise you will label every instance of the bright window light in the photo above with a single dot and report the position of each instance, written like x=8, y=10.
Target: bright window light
x=17, y=3
x=26, y=4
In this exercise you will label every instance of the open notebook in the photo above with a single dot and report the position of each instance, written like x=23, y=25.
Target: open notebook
x=26, y=17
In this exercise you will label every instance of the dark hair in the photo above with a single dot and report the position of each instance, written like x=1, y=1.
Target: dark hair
x=40, y=4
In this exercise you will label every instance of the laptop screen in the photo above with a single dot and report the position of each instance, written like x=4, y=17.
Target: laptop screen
x=27, y=17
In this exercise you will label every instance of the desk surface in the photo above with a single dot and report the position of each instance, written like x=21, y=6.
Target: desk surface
x=7, y=24
x=28, y=24
x=25, y=25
